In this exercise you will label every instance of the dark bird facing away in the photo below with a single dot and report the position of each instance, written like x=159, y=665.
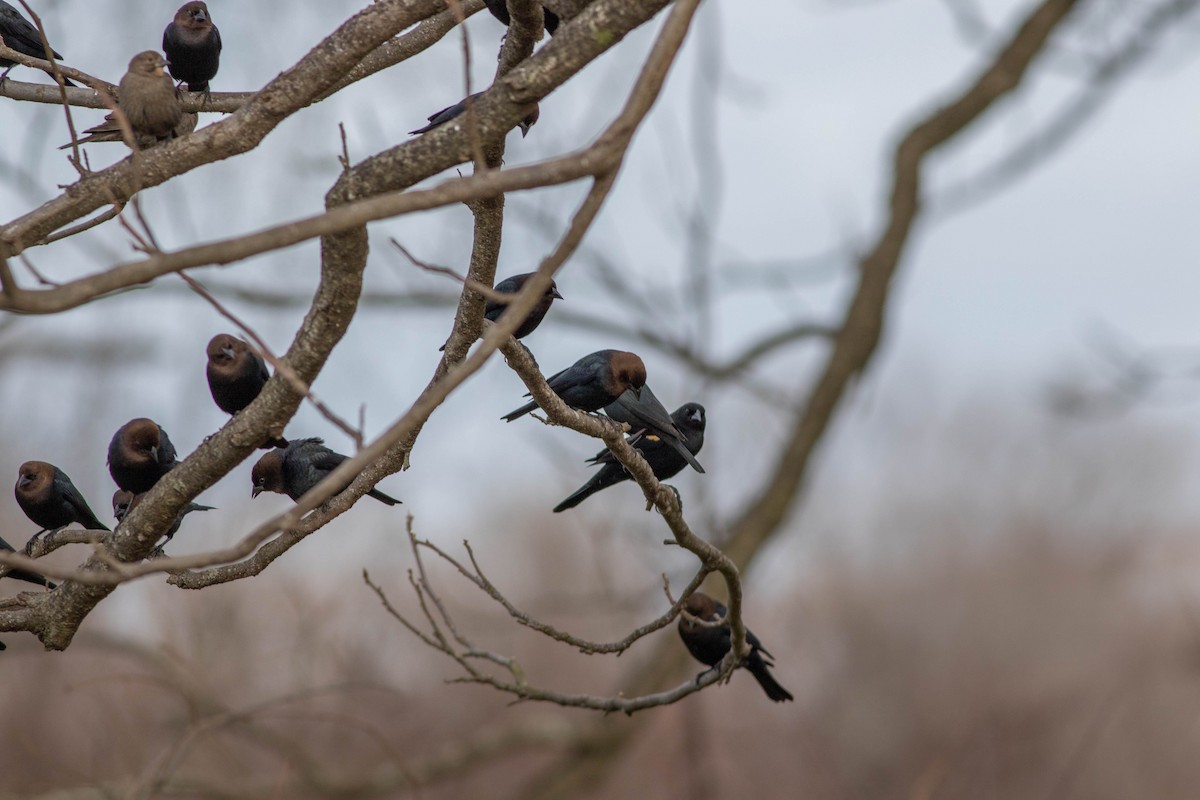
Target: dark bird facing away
x=21, y=35
x=709, y=645
x=499, y=9
x=236, y=374
x=123, y=502
x=139, y=454
x=662, y=457
x=300, y=466
x=193, y=46
x=593, y=381
x=110, y=131
x=644, y=414
x=22, y=574
x=450, y=112
x=47, y=496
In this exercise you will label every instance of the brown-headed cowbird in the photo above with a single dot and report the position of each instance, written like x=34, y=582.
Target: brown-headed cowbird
x=300, y=466
x=593, y=381
x=139, y=454
x=148, y=97
x=709, y=645
x=110, y=131
x=236, y=374
x=499, y=9
x=495, y=308
x=662, y=457
x=49, y=498
x=450, y=112
x=20, y=35
x=123, y=502
x=193, y=46
x=645, y=414
x=22, y=574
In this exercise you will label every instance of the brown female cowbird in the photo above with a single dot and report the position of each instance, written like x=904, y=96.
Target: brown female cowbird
x=709, y=645
x=193, y=47
x=149, y=99
x=449, y=113
x=300, y=466
x=499, y=9
x=123, y=502
x=47, y=496
x=139, y=454
x=645, y=415
x=236, y=374
x=20, y=35
x=662, y=457
x=110, y=131
x=593, y=381
x=22, y=574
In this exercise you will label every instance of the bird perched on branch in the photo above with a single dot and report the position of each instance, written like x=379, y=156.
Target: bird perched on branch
x=663, y=458
x=644, y=414
x=450, y=112
x=708, y=645
x=123, y=502
x=110, y=131
x=22, y=574
x=593, y=381
x=139, y=454
x=499, y=9
x=495, y=308
x=300, y=466
x=151, y=104
x=193, y=46
x=20, y=35
x=48, y=497
x=236, y=374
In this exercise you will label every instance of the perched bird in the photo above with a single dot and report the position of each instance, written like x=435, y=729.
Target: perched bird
x=709, y=645
x=449, y=113
x=139, y=454
x=499, y=9
x=663, y=458
x=20, y=35
x=300, y=466
x=236, y=374
x=495, y=308
x=110, y=131
x=593, y=381
x=47, y=496
x=193, y=47
x=645, y=415
x=123, y=502
x=22, y=574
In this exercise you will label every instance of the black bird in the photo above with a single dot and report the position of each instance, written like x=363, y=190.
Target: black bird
x=709, y=645
x=22, y=574
x=645, y=414
x=139, y=454
x=49, y=498
x=499, y=9
x=236, y=374
x=593, y=381
x=666, y=462
x=495, y=308
x=450, y=112
x=123, y=502
x=19, y=34
x=300, y=466
x=193, y=47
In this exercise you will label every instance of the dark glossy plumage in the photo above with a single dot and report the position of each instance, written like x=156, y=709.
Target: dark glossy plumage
x=709, y=645
x=123, y=502
x=19, y=574
x=512, y=285
x=450, y=112
x=644, y=413
x=300, y=466
x=49, y=498
x=21, y=35
x=139, y=454
x=236, y=374
x=499, y=9
x=193, y=46
x=593, y=381
x=663, y=458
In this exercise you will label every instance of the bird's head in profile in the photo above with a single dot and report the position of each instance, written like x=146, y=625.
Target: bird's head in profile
x=33, y=476
x=628, y=373
x=267, y=475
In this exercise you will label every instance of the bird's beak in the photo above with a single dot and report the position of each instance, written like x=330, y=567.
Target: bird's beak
x=637, y=391
x=255, y=492
x=154, y=453
x=524, y=126
x=201, y=16
x=24, y=481
x=227, y=352
x=554, y=293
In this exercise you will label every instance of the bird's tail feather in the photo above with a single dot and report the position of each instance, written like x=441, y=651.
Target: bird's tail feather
x=766, y=680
